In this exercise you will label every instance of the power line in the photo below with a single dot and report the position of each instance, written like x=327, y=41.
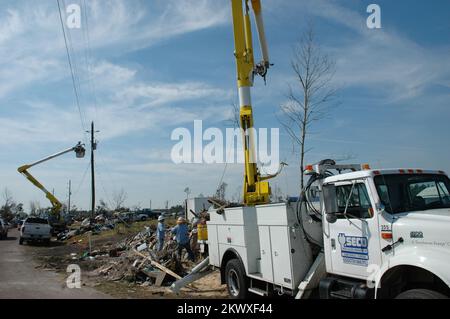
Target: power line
x=108, y=172
x=100, y=178
x=82, y=180
x=89, y=58
x=77, y=98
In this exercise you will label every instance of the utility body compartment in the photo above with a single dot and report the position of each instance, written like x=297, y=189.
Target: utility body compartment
x=268, y=239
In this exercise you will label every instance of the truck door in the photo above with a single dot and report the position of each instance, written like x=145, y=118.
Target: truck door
x=352, y=243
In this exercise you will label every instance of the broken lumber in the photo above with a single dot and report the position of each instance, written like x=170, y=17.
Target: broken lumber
x=158, y=265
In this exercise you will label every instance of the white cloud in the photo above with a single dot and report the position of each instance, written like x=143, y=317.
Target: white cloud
x=385, y=61
x=163, y=93
x=33, y=52
x=32, y=33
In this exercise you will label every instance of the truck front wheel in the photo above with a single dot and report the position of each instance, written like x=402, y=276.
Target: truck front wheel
x=421, y=294
x=237, y=282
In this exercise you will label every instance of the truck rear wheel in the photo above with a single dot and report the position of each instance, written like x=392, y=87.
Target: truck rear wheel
x=421, y=294
x=21, y=241
x=237, y=282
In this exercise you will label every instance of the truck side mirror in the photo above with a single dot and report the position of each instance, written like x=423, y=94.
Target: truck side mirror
x=330, y=202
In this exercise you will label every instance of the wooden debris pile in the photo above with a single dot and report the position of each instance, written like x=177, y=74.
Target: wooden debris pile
x=137, y=260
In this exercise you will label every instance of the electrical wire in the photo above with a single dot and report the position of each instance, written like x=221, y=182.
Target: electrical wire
x=77, y=97
x=226, y=164
x=82, y=180
x=88, y=57
x=107, y=170
x=103, y=187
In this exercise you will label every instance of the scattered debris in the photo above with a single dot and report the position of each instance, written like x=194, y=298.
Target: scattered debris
x=96, y=226
x=136, y=259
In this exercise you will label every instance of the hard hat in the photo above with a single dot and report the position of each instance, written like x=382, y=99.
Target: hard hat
x=181, y=220
x=160, y=218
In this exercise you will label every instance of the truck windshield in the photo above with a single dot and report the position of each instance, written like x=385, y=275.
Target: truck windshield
x=36, y=220
x=401, y=193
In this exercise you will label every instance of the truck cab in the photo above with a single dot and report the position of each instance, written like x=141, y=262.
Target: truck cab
x=373, y=234
x=388, y=228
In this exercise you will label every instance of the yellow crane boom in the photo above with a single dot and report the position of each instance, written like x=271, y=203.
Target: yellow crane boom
x=256, y=188
x=56, y=204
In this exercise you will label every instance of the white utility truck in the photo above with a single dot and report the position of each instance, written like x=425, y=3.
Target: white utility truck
x=375, y=234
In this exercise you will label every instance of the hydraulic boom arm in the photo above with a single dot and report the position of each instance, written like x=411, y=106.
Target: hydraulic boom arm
x=56, y=204
x=256, y=188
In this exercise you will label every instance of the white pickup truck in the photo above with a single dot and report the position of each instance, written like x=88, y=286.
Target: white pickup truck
x=35, y=229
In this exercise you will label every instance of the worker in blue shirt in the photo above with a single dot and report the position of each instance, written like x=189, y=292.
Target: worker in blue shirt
x=160, y=232
x=181, y=233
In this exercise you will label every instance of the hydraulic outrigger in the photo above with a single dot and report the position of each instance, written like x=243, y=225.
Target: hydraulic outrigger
x=256, y=188
x=56, y=221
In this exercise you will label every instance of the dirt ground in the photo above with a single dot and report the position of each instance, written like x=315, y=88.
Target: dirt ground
x=59, y=255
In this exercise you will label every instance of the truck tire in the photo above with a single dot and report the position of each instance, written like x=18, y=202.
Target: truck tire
x=21, y=241
x=421, y=294
x=237, y=281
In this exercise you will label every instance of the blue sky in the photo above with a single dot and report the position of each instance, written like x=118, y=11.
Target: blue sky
x=147, y=67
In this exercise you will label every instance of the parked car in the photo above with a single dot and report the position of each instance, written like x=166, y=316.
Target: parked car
x=35, y=229
x=140, y=217
x=145, y=214
x=3, y=229
x=125, y=217
x=151, y=213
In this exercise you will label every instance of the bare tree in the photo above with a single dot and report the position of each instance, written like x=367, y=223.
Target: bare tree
x=136, y=207
x=310, y=99
x=187, y=190
x=7, y=197
x=237, y=196
x=35, y=207
x=221, y=191
x=119, y=198
x=235, y=119
x=8, y=209
x=277, y=194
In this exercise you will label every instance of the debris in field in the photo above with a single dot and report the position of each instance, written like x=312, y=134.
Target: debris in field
x=97, y=225
x=86, y=222
x=136, y=259
x=142, y=247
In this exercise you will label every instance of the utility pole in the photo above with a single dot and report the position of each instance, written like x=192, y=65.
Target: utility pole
x=150, y=204
x=70, y=193
x=93, y=148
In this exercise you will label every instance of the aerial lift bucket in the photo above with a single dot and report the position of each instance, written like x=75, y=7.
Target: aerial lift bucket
x=80, y=151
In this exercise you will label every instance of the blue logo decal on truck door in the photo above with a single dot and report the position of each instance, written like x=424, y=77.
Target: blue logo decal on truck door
x=354, y=250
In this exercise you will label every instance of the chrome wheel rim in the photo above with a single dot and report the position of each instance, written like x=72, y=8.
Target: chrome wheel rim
x=233, y=282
